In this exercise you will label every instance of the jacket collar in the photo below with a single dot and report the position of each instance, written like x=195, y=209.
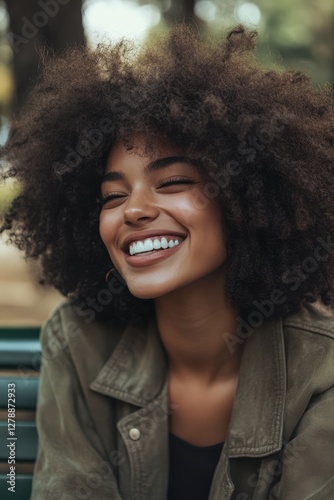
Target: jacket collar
x=136, y=370
x=136, y=373
x=256, y=427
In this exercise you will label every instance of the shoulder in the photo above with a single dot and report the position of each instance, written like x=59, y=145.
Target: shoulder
x=311, y=329
x=308, y=425
x=309, y=347
x=69, y=321
x=88, y=341
x=310, y=320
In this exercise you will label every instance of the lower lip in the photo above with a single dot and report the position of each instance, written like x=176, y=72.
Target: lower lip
x=141, y=260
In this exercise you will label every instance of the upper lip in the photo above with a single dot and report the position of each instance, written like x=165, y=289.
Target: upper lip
x=148, y=234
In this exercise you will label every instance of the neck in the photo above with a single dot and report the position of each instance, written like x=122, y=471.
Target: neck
x=192, y=322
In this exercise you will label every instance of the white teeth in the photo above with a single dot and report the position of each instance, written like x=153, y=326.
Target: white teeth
x=164, y=242
x=140, y=247
x=149, y=245
x=156, y=244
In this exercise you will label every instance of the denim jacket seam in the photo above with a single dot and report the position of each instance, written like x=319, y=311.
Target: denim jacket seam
x=255, y=450
x=306, y=327
x=134, y=453
x=134, y=457
x=117, y=393
x=52, y=328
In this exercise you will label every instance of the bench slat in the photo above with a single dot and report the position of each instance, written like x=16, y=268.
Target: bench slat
x=23, y=484
x=18, y=351
x=26, y=443
x=26, y=390
x=20, y=361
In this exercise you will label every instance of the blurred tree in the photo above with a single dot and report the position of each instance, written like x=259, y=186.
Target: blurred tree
x=182, y=11
x=176, y=11
x=302, y=33
x=56, y=24
x=298, y=34
x=6, y=80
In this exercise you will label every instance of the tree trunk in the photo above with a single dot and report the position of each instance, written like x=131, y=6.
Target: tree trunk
x=183, y=11
x=55, y=24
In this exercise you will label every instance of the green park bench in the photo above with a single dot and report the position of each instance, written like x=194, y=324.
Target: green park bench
x=20, y=360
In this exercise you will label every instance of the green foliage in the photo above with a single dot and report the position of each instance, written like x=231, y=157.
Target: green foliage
x=299, y=34
x=8, y=191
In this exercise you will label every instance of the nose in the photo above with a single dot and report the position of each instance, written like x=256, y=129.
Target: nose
x=140, y=207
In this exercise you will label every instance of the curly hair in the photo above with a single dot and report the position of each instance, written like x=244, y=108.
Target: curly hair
x=263, y=139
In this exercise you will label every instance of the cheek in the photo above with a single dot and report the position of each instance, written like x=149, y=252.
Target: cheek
x=108, y=234
x=102, y=227
x=210, y=228
x=106, y=228
x=190, y=210
x=199, y=212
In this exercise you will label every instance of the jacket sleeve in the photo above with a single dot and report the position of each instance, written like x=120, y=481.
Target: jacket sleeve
x=308, y=459
x=70, y=461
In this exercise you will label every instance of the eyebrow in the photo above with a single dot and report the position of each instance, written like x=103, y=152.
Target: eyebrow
x=154, y=165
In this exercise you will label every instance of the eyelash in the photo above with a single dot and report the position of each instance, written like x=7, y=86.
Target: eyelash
x=176, y=180
x=114, y=196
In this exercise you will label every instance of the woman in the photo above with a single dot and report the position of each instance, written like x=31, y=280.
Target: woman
x=181, y=199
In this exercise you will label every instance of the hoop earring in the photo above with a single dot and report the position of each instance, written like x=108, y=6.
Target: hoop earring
x=113, y=272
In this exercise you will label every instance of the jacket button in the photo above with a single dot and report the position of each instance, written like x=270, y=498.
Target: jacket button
x=134, y=434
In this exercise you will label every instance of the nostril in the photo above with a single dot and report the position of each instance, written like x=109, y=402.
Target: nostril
x=140, y=211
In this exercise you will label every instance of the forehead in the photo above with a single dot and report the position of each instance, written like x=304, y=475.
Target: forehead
x=142, y=154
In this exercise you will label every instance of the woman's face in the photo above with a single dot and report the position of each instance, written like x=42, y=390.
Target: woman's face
x=162, y=233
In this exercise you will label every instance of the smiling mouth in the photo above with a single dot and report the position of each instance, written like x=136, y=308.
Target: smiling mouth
x=153, y=245
x=145, y=258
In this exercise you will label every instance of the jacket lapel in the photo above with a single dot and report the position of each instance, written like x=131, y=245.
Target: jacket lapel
x=136, y=370
x=256, y=427
x=136, y=373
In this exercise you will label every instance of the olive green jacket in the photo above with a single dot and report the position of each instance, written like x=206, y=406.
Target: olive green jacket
x=103, y=411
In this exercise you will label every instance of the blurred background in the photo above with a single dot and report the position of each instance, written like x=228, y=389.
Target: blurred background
x=298, y=35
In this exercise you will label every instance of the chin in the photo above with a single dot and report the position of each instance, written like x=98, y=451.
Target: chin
x=146, y=289
x=146, y=294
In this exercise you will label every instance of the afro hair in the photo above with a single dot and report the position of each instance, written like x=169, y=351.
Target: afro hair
x=263, y=139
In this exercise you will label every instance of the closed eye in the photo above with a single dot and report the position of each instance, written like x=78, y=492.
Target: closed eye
x=176, y=180
x=102, y=200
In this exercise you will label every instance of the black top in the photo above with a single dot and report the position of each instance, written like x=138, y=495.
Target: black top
x=191, y=469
